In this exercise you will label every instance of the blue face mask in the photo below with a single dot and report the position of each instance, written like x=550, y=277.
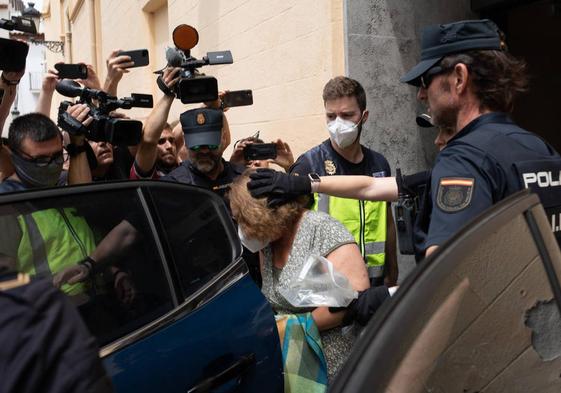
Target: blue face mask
x=37, y=176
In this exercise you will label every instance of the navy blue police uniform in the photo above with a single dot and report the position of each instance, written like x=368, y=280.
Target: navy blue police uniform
x=488, y=160
x=45, y=345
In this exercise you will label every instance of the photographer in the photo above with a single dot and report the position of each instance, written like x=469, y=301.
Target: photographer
x=35, y=143
x=50, y=81
x=284, y=157
x=157, y=154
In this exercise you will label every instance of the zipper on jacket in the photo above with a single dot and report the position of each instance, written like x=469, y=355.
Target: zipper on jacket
x=362, y=229
x=73, y=232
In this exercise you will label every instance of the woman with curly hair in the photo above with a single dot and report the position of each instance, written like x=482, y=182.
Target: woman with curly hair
x=288, y=235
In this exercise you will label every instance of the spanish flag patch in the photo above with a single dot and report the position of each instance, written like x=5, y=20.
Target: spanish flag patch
x=454, y=193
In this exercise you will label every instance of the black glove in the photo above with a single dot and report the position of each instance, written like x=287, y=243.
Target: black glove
x=363, y=308
x=277, y=186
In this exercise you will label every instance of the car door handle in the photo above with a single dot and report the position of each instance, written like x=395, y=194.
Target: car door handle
x=234, y=371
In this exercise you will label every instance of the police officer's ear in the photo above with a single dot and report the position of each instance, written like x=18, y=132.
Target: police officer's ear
x=461, y=78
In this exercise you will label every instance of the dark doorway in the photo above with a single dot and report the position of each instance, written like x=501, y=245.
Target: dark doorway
x=533, y=30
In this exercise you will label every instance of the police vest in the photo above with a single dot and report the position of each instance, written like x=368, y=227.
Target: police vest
x=52, y=240
x=539, y=171
x=366, y=220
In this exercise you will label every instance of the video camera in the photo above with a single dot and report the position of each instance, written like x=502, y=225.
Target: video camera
x=13, y=52
x=193, y=86
x=103, y=128
x=18, y=23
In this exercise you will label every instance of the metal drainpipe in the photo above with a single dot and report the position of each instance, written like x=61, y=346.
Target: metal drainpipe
x=94, y=34
x=68, y=36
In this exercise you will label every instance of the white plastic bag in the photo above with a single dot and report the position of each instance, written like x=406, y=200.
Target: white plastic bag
x=319, y=284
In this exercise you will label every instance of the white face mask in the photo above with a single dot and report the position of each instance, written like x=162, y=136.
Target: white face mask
x=343, y=132
x=252, y=245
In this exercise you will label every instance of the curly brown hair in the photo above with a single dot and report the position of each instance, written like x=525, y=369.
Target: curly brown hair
x=257, y=220
x=341, y=86
x=497, y=77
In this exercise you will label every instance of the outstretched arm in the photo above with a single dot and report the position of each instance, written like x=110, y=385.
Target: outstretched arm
x=359, y=187
x=147, y=152
x=46, y=95
x=116, y=67
x=279, y=186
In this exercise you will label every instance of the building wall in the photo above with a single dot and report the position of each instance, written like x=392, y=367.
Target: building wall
x=284, y=50
x=382, y=41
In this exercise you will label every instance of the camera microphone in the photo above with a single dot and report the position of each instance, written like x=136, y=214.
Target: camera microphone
x=174, y=57
x=68, y=88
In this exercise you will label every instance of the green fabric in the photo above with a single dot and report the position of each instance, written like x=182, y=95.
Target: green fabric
x=305, y=367
x=365, y=220
x=66, y=237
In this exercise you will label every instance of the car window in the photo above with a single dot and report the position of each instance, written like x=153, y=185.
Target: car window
x=49, y=237
x=195, y=232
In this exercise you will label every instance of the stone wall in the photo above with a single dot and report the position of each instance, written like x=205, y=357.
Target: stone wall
x=382, y=42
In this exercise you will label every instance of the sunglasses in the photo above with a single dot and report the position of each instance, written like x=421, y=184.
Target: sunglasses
x=43, y=161
x=428, y=76
x=199, y=147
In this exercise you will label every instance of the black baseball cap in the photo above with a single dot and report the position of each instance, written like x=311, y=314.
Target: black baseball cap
x=438, y=41
x=202, y=126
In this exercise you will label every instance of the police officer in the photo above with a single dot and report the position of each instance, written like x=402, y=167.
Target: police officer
x=202, y=129
x=468, y=82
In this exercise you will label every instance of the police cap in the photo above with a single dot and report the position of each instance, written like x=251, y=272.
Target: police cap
x=202, y=126
x=438, y=41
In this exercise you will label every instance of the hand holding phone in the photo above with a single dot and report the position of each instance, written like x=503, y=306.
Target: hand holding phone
x=140, y=57
x=260, y=151
x=72, y=71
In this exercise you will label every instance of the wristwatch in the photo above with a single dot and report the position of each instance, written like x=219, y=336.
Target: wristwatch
x=315, y=180
x=73, y=150
x=7, y=81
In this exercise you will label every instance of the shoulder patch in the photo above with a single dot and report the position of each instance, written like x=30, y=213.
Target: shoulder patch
x=454, y=193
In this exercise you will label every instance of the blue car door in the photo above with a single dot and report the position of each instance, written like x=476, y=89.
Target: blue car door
x=170, y=300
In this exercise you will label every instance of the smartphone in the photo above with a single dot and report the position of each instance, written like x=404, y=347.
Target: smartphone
x=72, y=71
x=139, y=56
x=260, y=151
x=237, y=98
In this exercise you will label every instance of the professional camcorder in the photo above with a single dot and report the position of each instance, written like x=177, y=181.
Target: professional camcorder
x=193, y=86
x=103, y=128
